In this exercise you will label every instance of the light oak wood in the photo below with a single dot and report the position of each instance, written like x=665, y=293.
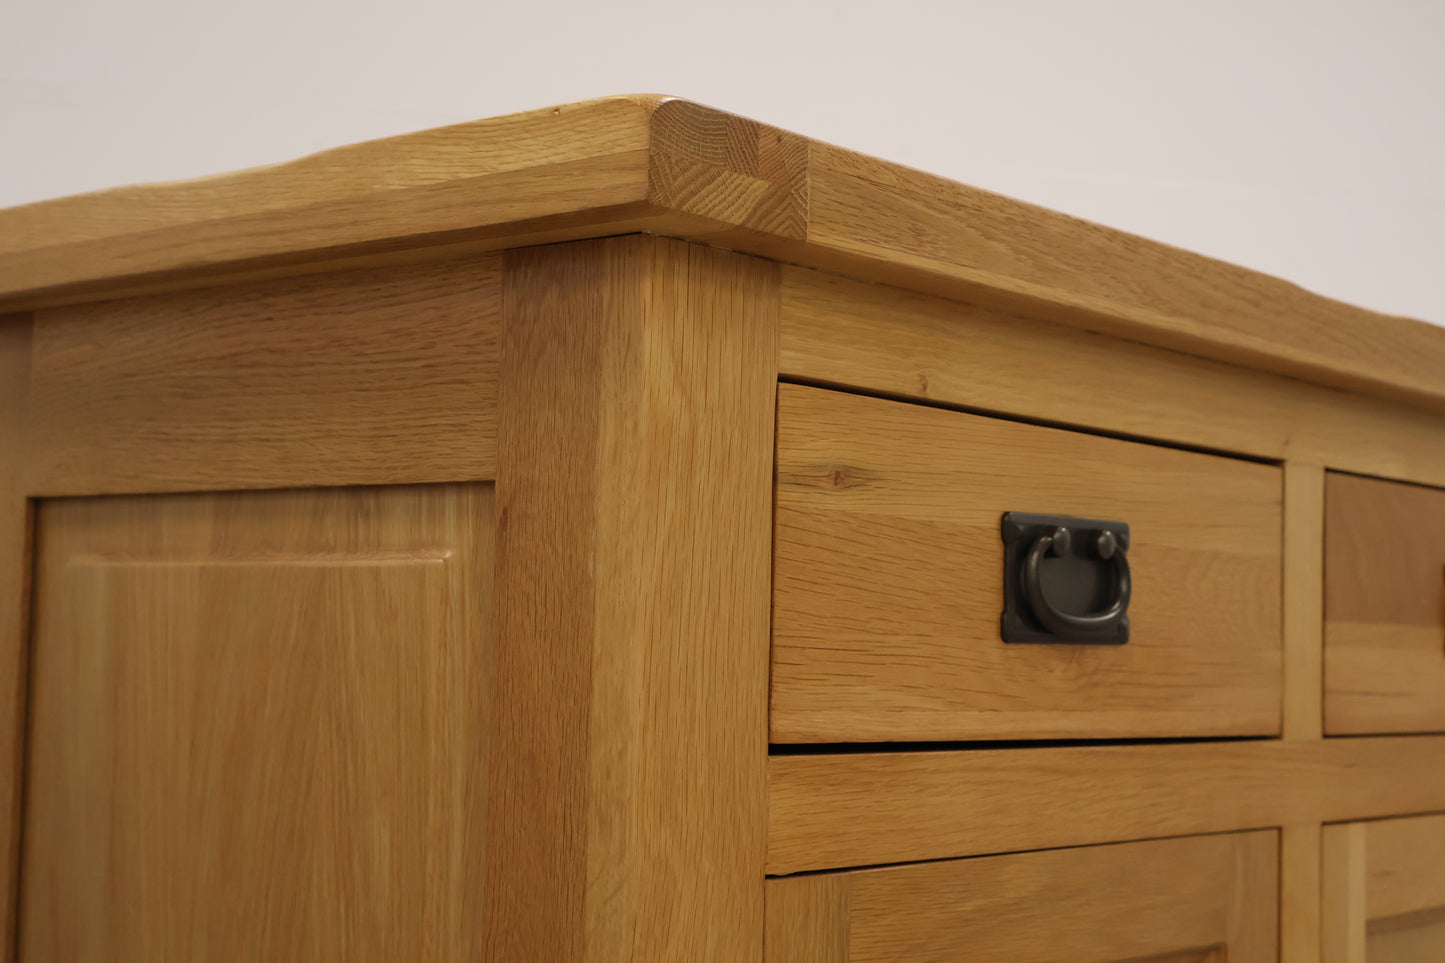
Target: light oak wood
x=15, y=528
x=1300, y=895
x=259, y=726
x=345, y=320
x=1385, y=891
x=637, y=397
x=1422, y=944
x=882, y=220
x=889, y=585
x=750, y=178
x=349, y=378
x=888, y=340
x=482, y=182
x=657, y=163
x=1343, y=872
x=1405, y=867
x=1423, y=920
x=807, y=919
x=1196, y=899
x=1304, y=537
x=381, y=171
x=1384, y=607
x=869, y=808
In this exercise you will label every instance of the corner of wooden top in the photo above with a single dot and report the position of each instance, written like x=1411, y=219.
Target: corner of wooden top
x=727, y=168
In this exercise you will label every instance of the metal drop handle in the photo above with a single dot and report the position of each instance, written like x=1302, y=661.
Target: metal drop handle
x=1058, y=541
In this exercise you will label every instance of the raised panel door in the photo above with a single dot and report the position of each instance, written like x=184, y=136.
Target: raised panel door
x=258, y=726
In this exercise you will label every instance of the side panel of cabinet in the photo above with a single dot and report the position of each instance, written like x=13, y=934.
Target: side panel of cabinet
x=1384, y=891
x=376, y=376
x=15, y=526
x=258, y=726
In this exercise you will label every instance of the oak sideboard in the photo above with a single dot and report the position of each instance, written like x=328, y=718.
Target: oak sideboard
x=629, y=531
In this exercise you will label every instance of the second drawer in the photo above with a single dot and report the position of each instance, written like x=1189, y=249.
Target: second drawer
x=1202, y=899
x=890, y=569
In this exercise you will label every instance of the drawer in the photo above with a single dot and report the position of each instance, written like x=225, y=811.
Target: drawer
x=889, y=581
x=1384, y=606
x=1203, y=899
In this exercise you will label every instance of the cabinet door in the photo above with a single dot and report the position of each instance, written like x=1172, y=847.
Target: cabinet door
x=258, y=726
x=1384, y=891
x=1204, y=899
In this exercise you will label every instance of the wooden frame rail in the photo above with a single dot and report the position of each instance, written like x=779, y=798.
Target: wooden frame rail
x=869, y=809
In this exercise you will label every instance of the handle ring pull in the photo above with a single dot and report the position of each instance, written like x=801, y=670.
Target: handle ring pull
x=1058, y=541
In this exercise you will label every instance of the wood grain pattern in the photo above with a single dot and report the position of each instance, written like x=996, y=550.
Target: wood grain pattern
x=1300, y=894
x=807, y=919
x=349, y=378
x=656, y=163
x=729, y=169
x=259, y=726
x=870, y=808
x=583, y=163
x=1422, y=944
x=15, y=529
x=1304, y=538
x=1343, y=872
x=888, y=584
x=888, y=340
x=1195, y=899
x=890, y=223
x=1405, y=866
x=1384, y=607
x=1385, y=891
x=637, y=399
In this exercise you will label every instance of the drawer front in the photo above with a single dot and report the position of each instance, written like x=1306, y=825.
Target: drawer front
x=1384, y=606
x=889, y=581
x=1193, y=900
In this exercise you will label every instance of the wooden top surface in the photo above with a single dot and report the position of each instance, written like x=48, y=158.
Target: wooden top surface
x=668, y=166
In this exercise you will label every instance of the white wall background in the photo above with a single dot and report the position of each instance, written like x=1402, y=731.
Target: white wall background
x=1304, y=139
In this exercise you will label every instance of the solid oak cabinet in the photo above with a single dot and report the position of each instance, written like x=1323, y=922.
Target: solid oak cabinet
x=629, y=531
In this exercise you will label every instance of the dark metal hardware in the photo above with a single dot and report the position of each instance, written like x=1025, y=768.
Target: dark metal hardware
x=1065, y=580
